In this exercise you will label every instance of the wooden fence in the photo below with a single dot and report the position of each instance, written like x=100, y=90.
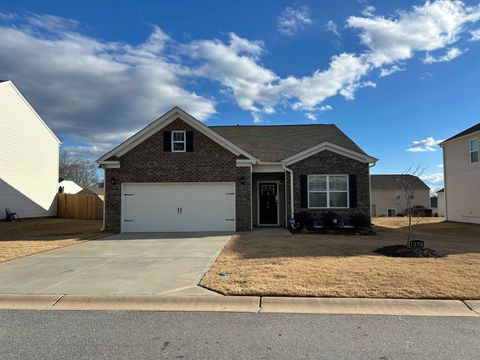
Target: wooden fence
x=76, y=206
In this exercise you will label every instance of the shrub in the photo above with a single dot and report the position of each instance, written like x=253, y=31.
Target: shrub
x=304, y=220
x=359, y=220
x=331, y=219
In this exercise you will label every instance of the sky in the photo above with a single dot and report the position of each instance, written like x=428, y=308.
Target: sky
x=398, y=77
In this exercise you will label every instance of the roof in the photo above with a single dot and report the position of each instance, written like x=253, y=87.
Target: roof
x=393, y=182
x=272, y=143
x=470, y=130
x=441, y=190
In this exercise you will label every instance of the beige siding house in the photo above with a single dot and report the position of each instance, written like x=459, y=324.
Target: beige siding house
x=28, y=158
x=461, y=166
x=387, y=198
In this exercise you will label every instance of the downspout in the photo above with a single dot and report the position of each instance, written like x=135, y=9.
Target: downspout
x=104, y=198
x=292, y=205
x=370, y=188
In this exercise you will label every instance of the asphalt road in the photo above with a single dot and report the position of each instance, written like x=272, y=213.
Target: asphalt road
x=155, y=335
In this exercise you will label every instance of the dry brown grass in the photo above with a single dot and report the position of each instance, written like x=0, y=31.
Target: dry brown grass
x=31, y=236
x=345, y=266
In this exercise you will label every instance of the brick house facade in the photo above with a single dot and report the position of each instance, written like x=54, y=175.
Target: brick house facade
x=213, y=158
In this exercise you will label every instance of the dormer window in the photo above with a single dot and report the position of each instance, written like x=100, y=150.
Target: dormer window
x=178, y=141
x=474, y=148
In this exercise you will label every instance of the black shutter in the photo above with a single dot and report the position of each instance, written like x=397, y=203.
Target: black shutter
x=189, y=139
x=167, y=141
x=303, y=191
x=352, y=183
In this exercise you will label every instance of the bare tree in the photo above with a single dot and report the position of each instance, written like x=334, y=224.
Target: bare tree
x=407, y=186
x=83, y=172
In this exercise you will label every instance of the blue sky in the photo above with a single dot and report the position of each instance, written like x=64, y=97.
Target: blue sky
x=396, y=76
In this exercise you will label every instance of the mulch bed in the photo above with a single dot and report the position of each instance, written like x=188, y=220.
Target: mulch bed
x=407, y=252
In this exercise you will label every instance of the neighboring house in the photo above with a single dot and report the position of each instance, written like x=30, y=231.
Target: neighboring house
x=178, y=174
x=441, y=203
x=434, y=205
x=461, y=166
x=97, y=189
x=29, y=153
x=388, y=198
x=68, y=187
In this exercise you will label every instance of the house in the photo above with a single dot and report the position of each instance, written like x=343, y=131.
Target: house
x=441, y=210
x=388, y=199
x=68, y=187
x=434, y=205
x=96, y=189
x=461, y=167
x=177, y=174
x=29, y=153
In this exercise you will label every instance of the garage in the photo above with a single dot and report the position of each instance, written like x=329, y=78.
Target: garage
x=178, y=207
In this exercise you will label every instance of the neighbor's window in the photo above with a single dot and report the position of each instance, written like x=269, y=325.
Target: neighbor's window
x=474, y=150
x=178, y=141
x=327, y=191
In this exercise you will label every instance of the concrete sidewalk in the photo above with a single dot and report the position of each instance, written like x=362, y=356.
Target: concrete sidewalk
x=249, y=304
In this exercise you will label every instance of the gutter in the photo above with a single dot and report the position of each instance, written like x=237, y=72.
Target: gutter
x=292, y=205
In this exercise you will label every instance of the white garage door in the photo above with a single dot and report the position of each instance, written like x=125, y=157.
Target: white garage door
x=167, y=207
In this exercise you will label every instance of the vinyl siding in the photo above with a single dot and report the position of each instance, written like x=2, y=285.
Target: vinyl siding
x=462, y=181
x=441, y=204
x=28, y=158
x=385, y=199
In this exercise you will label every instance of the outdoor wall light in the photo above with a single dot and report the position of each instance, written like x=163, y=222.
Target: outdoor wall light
x=113, y=181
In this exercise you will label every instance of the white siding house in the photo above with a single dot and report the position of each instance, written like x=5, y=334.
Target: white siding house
x=461, y=157
x=29, y=154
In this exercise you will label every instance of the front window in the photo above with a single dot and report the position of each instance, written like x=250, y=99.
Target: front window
x=474, y=150
x=327, y=191
x=178, y=141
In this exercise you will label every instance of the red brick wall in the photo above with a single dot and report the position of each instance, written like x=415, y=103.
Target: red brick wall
x=148, y=162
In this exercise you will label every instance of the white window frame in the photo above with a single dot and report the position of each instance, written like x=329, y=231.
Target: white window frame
x=394, y=209
x=184, y=142
x=470, y=152
x=328, y=191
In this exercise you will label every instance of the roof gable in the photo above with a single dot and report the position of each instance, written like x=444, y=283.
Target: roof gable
x=393, y=182
x=466, y=132
x=6, y=84
x=160, y=123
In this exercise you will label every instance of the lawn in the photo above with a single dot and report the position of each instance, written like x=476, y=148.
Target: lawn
x=345, y=266
x=31, y=236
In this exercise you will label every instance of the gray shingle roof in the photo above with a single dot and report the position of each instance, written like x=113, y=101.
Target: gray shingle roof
x=470, y=130
x=393, y=181
x=277, y=142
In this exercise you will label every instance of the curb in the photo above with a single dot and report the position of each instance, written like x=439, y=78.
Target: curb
x=362, y=306
x=247, y=304
x=28, y=301
x=242, y=304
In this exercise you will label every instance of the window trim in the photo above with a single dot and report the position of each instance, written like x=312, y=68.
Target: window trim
x=395, y=209
x=470, y=152
x=184, y=142
x=328, y=191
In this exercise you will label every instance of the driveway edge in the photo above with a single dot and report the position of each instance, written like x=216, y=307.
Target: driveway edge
x=242, y=304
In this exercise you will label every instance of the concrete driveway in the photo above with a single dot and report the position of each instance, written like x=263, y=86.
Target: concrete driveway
x=127, y=264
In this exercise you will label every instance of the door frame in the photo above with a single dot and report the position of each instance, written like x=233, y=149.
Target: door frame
x=277, y=182
x=122, y=197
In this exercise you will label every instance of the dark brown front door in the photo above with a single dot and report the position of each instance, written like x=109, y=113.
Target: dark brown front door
x=268, y=204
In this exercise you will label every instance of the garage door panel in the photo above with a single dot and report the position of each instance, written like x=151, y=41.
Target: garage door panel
x=155, y=207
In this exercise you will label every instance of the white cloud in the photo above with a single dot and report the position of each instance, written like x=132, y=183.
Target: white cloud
x=7, y=16
x=475, y=35
x=387, y=71
x=432, y=26
x=292, y=20
x=434, y=178
x=97, y=92
x=368, y=10
x=425, y=145
x=332, y=27
x=451, y=54
x=426, y=75
x=440, y=166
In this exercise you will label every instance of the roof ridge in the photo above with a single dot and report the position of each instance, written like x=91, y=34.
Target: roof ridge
x=273, y=125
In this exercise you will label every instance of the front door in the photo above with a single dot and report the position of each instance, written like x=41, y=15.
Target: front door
x=268, y=203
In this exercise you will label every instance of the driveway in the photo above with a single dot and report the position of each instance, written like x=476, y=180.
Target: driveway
x=126, y=264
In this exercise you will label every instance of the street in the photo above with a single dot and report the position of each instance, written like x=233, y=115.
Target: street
x=162, y=335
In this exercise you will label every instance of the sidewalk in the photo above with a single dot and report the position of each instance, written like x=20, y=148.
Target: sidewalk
x=249, y=304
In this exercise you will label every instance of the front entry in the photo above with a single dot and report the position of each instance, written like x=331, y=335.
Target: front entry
x=268, y=203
